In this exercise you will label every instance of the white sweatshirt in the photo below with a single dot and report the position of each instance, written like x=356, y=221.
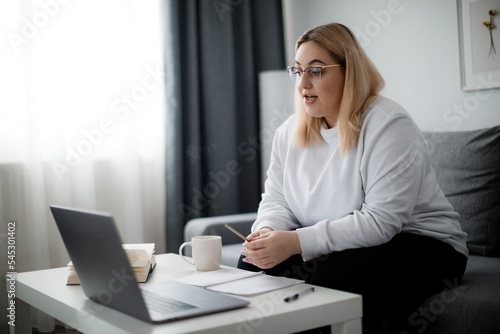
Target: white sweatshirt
x=382, y=186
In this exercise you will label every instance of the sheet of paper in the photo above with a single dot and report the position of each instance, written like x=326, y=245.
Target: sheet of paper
x=238, y=282
x=219, y=276
x=255, y=285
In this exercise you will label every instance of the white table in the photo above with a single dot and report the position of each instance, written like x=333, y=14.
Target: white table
x=267, y=313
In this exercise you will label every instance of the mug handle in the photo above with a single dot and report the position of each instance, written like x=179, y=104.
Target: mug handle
x=188, y=243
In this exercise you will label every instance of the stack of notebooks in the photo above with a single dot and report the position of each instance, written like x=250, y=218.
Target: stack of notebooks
x=141, y=257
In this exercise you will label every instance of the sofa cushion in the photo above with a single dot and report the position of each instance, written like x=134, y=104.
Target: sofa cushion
x=467, y=165
x=472, y=307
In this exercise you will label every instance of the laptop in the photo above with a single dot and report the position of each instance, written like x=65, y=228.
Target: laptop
x=95, y=248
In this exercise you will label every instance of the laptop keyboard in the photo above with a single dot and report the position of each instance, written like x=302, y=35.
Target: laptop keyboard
x=162, y=304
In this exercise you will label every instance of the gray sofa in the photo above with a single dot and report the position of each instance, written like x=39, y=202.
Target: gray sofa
x=467, y=166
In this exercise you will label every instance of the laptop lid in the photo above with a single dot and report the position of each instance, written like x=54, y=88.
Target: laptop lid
x=96, y=250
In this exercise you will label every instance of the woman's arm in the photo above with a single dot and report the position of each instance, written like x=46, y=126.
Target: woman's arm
x=273, y=238
x=274, y=211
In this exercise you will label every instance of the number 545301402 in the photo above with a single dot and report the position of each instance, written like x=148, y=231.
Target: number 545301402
x=11, y=245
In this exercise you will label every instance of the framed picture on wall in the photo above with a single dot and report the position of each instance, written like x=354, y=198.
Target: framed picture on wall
x=479, y=23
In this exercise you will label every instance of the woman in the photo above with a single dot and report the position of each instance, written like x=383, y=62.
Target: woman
x=351, y=201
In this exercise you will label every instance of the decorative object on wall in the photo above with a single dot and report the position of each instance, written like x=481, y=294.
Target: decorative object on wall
x=479, y=60
x=491, y=25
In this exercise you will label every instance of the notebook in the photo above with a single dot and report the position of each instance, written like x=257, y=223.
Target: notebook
x=95, y=248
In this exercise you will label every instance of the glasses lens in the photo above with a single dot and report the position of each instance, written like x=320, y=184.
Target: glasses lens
x=294, y=72
x=314, y=73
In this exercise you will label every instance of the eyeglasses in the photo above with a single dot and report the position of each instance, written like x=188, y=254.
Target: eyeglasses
x=313, y=72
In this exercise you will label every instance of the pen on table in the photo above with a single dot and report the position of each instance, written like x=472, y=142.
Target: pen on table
x=236, y=232
x=299, y=294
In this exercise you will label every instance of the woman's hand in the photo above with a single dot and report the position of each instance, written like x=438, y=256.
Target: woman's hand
x=267, y=248
x=259, y=233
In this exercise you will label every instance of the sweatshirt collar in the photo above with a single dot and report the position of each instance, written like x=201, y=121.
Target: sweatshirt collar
x=331, y=136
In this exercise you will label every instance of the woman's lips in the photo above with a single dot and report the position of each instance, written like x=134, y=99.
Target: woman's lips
x=310, y=99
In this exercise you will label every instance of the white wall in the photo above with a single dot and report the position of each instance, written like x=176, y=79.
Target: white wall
x=415, y=45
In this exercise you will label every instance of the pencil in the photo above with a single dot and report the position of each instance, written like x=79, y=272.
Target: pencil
x=236, y=232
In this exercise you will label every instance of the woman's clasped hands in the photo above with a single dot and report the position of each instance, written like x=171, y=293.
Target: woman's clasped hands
x=266, y=248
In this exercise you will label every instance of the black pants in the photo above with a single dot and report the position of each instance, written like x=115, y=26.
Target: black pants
x=393, y=278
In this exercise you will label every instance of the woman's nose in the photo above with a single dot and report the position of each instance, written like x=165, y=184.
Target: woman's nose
x=304, y=82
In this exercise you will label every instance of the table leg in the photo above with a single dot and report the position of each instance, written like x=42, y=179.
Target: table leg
x=354, y=326
x=348, y=327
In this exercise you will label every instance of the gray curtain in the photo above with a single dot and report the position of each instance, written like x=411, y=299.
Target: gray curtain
x=215, y=50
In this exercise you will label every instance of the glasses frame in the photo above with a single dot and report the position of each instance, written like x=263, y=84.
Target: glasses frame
x=295, y=77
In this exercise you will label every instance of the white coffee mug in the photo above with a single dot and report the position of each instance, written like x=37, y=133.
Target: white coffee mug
x=207, y=252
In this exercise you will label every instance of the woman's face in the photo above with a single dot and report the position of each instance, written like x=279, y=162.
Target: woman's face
x=320, y=98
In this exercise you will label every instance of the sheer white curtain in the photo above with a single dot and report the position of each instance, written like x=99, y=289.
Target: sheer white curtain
x=82, y=103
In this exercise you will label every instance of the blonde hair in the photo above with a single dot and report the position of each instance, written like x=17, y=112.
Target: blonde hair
x=362, y=84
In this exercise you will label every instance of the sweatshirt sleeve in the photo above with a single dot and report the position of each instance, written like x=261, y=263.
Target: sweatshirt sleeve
x=274, y=211
x=392, y=166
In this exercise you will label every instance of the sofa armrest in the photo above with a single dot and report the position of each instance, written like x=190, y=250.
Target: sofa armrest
x=215, y=226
